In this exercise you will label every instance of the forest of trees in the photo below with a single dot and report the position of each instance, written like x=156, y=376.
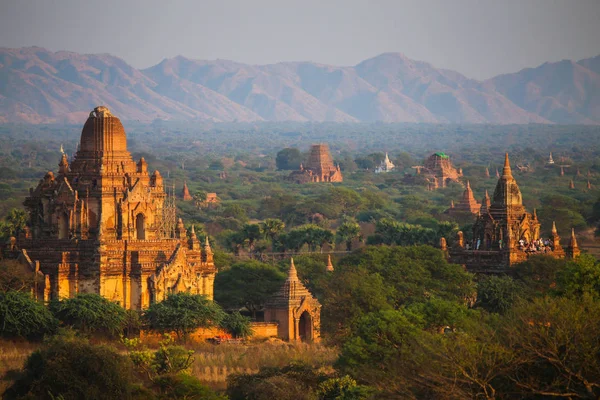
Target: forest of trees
x=403, y=322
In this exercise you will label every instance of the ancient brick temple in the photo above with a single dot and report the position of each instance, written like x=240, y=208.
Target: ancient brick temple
x=297, y=312
x=505, y=234
x=439, y=171
x=185, y=193
x=104, y=225
x=467, y=204
x=319, y=168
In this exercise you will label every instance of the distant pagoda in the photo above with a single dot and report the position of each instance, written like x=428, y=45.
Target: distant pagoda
x=439, y=170
x=185, y=193
x=385, y=166
x=319, y=168
x=467, y=203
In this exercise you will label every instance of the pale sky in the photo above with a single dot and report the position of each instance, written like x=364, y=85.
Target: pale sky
x=479, y=39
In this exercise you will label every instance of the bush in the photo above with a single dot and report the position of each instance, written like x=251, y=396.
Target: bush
x=22, y=316
x=168, y=359
x=293, y=382
x=182, y=386
x=183, y=313
x=91, y=313
x=74, y=369
x=237, y=325
x=344, y=388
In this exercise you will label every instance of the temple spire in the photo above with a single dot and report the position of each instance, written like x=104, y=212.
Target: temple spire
x=573, y=242
x=554, y=231
x=329, y=267
x=506, y=171
x=573, y=249
x=292, y=273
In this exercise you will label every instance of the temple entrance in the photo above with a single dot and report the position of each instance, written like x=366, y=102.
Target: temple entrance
x=63, y=226
x=140, y=226
x=305, y=327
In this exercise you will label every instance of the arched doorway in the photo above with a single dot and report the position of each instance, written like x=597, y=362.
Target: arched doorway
x=140, y=226
x=63, y=226
x=305, y=327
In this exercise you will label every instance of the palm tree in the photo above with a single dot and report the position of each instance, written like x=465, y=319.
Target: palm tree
x=347, y=232
x=272, y=227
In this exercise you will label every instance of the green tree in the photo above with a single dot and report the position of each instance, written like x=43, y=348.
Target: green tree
x=380, y=351
x=15, y=276
x=498, y=294
x=580, y=277
x=199, y=198
x=271, y=227
x=91, y=313
x=288, y=159
x=347, y=232
x=22, y=316
x=251, y=233
x=183, y=313
x=13, y=224
x=556, y=344
x=247, y=284
x=237, y=325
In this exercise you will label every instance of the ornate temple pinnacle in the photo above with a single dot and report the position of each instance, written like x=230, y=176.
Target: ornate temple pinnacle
x=292, y=273
x=554, y=231
x=506, y=171
x=329, y=267
x=573, y=242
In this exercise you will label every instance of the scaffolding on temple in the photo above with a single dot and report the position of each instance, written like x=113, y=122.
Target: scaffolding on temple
x=167, y=223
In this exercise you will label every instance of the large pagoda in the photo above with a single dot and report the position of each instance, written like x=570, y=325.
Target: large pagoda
x=104, y=225
x=504, y=230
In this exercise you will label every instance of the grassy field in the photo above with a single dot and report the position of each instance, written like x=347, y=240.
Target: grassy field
x=212, y=363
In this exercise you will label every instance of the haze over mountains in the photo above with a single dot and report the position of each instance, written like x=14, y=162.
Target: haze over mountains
x=40, y=86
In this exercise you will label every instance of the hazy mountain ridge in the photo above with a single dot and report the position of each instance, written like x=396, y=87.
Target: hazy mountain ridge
x=38, y=86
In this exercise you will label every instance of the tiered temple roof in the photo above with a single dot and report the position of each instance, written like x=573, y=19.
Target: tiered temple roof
x=319, y=168
x=467, y=203
x=105, y=225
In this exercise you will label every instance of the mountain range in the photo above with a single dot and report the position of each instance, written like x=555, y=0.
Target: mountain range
x=40, y=86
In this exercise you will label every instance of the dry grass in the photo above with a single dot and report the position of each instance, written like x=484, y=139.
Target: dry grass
x=12, y=357
x=212, y=363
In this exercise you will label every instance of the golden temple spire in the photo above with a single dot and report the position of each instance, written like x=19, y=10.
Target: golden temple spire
x=573, y=242
x=329, y=267
x=506, y=171
x=292, y=273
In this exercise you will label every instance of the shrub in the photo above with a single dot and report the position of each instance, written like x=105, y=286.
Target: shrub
x=22, y=316
x=293, y=382
x=183, y=386
x=74, y=369
x=183, y=313
x=91, y=313
x=344, y=388
x=168, y=359
x=237, y=325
